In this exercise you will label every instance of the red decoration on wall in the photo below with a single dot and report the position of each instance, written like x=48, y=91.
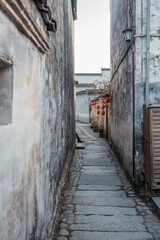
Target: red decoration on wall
x=107, y=100
x=103, y=112
x=98, y=107
x=98, y=112
x=93, y=103
x=103, y=106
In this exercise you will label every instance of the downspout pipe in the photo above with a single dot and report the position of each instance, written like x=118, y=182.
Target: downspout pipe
x=147, y=52
x=133, y=143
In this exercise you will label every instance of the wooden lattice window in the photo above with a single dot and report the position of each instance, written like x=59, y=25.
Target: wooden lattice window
x=152, y=145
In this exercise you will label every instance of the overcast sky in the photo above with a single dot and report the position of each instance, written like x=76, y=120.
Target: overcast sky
x=92, y=36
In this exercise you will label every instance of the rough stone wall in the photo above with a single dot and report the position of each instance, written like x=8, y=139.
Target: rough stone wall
x=120, y=111
x=38, y=142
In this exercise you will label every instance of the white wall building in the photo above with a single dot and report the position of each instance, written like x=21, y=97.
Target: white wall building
x=89, y=87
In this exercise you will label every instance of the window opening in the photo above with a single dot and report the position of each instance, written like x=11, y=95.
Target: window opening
x=6, y=90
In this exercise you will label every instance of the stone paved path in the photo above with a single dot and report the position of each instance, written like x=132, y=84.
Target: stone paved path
x=98, y=202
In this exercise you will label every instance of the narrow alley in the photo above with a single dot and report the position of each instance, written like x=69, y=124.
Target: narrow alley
x=98, y=201
x=82, y=69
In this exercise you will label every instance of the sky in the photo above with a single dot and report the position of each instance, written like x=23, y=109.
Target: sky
x=92, y=36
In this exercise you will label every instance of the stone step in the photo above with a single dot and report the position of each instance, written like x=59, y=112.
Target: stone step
x=98, y=187
x=110, y=227
x=102, y=194
x=78, y=235
x=99, y=201
x=103, y=210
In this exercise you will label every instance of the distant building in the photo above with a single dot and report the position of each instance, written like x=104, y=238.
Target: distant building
x=91, y=78
x=89, y=87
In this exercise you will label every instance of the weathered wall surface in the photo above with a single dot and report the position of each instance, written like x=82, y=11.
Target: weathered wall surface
x=133, y=14
x=140, y=67
x=98, y=114
x=120, y=121
x=38, y=140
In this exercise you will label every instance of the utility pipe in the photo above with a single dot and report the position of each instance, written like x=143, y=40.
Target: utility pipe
x=144, y=36
x=133, y=140
x=147, y=52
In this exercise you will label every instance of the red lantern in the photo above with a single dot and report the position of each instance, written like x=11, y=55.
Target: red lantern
x=98, y=107
x=103, y=107
x=103, y=100
x=107, y=100
x=98, y=112
x=103, y=112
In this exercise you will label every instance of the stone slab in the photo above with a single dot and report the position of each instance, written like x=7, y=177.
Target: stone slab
x=101, y=177
x=62, y=238
x=98, y=170
x=94, y=147
x=102, y=194
x=78, y=235
x=80, y=146
x=98, y=151
x=64, y=232
x=103, y=210
x=99, y=180
x=95, y=156
x=107, y=219
x=97, y=162
x=109, y=201
x=98, y=188
x=93, y=168
x=110, y=227
x=156, y=200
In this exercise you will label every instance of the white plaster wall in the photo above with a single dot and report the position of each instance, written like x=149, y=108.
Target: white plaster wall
x=82, y=107
x=91, y=77
x=35, y=147
x=87, y=78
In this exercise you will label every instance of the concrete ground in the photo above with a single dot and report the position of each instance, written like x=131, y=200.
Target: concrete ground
x=98, y=202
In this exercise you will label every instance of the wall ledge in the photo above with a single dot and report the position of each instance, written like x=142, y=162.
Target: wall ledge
x=16, y=11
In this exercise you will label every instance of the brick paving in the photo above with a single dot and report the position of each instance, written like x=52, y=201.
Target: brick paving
x=98, y=202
